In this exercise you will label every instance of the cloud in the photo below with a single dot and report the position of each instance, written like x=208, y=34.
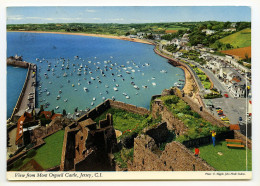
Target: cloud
x=15, y=17
x=116, y=19
x=90, y=11
x=95, y=18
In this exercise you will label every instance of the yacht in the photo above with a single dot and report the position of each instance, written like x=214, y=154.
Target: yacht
x=58, y=97
x=115, y=89
x=85, y=89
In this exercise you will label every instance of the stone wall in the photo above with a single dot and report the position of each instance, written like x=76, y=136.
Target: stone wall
x=246, y=141
x=175, y=157
x=172, y=123
x=128, y=107
x=16, y=63
x=98, y=110
x=159, y=133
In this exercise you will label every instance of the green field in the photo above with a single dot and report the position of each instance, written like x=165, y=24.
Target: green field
x=48, y=155
x=176, y=28
x=232, y=159
x=238, y=39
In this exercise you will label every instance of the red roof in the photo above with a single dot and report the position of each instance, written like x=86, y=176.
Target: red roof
x=55, y=115
x=47, y=114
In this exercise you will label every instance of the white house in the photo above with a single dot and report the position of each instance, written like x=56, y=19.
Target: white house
x=208, y=31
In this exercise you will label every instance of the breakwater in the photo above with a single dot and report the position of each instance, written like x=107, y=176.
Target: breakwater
x=27, y=97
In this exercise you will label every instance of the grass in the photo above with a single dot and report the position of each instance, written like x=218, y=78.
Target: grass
x=176, y=28
x=127, y=121
x=123, y=156
x=238, y=39
x=49, y=155
x=233, y=159
x=197, y=126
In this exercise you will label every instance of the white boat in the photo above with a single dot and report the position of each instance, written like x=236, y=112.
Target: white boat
x=92, y=78
x=106, y=86
x=124, y=94
x=115, y=89
x=127, y=97
x=57, y=107
x=48, y=93
x=85, y=89
x=65, y=74
x=76, y=89
x=145, y=86
x=58, y=97
x=128, y=72
x=153, y=83
x=78, y=83
x=72, y=85
x=113, y=98
x=163, y=71
x=103, y=98
x=60, y=91
x=65, y=100
x=92, y=103
x=136, y=87
x=94, y=99
x=117, y=85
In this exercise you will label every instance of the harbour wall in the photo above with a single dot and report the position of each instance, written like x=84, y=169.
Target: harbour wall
x=19, y=101
x=29, y=66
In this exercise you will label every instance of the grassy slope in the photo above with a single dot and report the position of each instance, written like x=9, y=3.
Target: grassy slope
x=49, y=155
x=233, y=159
x=238, y=39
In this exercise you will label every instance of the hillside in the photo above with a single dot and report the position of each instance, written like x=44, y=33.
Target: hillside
x=239, y=39
x=239, y=52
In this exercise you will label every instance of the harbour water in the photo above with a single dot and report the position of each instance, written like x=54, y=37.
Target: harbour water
x=15, y=80
x=128, y=71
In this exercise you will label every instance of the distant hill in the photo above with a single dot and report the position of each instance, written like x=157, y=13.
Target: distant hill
x=239, y=39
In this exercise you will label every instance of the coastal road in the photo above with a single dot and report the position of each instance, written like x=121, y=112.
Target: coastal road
x=232, y=107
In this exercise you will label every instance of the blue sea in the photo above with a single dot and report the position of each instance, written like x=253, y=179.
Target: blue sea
x=105, y=65
x=15, y=80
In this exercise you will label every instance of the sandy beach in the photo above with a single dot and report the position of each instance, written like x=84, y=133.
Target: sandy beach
x=188, y=87
x=94, y=35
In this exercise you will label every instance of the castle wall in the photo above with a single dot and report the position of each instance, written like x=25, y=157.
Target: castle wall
x=175, y=157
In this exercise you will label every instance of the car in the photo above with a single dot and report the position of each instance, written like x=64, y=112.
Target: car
x=225, y=119
x=227, y=122
x=226, y=95
x=240, y=118
x=222, y=115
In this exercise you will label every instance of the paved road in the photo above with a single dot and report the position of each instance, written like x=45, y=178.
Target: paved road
x=232, y=108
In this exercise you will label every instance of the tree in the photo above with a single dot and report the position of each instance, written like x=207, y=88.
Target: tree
x=64, y=112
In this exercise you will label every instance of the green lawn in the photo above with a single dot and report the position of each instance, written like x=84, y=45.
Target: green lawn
x=48, y=155
x=238, y=39
x=233, y=159
x=123, y=120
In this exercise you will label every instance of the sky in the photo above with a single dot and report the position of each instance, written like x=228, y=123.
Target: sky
x=126, y=14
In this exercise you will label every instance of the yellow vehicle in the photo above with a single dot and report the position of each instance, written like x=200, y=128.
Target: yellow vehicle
x=227, y=122
x=225, y=119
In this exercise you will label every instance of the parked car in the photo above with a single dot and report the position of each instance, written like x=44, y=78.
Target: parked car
x=225, y=119
x=226, y=95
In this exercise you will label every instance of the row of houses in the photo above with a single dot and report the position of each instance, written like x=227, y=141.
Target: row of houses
x=232, y=79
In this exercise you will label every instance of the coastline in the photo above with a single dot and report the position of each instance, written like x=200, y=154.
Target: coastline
x=92, y=35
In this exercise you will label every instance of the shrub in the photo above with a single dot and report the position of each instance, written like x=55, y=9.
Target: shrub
x=31, y=153
x=18, y=163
